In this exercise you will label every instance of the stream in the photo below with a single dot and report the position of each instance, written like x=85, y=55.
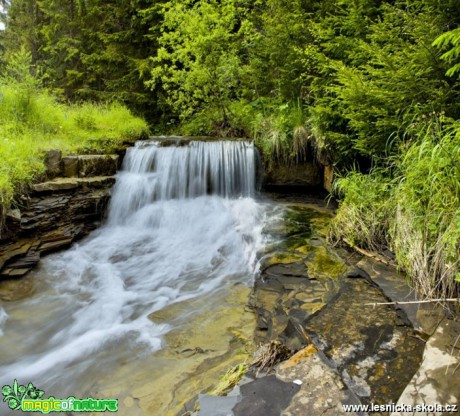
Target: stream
x=152, y=308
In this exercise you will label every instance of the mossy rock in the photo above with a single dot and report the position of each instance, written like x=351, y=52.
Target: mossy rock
x=281, y=258
x=323, y=264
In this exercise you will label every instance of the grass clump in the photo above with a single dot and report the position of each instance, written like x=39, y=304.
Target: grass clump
x=32, y=121
x=411, y=208
x=281, y=133
x=230, y=379
x=426, y=228
x=366, y=211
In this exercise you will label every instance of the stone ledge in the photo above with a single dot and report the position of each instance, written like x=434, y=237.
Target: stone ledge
x=81, y=166
x=67, y=184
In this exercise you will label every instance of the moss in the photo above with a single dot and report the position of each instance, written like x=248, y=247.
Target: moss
x=283, y=258
x=230, y=379
x=323, y=264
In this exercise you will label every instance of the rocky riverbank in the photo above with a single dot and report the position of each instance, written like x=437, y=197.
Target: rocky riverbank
x=66, y=206
x=328, y=307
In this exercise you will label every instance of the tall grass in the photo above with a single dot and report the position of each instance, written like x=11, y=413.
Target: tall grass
x=282, y=134
x=414, y=210
x=366, y=212
x=426, y=229
x=32, y=121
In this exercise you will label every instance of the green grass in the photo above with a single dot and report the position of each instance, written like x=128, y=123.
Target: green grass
x=412, y=207
x=32, y=121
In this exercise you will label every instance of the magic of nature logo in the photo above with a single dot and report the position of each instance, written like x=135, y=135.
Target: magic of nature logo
x=29, y=399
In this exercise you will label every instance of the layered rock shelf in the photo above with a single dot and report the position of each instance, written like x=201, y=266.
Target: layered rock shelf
x=69, y=203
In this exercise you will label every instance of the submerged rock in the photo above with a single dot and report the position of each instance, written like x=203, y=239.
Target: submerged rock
x=437, y=381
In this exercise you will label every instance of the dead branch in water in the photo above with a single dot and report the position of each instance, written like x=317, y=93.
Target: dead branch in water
x=413, y=302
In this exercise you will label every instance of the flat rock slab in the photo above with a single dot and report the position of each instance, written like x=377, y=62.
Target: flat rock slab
x=216, y=405
x=67, y=184
x=266, y=396
x=321, y=391
x=438, y=379
x=394, y=286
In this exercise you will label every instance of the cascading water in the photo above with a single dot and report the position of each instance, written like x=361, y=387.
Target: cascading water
x=182, y=224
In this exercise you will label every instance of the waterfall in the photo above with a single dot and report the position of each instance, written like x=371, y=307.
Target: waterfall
x=152, y=173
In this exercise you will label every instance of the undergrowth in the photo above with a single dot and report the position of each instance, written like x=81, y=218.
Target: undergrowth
x=411, y=207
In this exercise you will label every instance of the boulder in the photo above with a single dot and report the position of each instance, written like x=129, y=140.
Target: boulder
x=53, y=163
x=97, y=165
x=69, y=165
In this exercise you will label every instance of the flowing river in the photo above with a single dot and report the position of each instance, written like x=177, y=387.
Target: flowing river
x=119, y=313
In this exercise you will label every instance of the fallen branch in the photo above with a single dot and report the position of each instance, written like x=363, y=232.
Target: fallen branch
x=375, y=256
x=413, y=302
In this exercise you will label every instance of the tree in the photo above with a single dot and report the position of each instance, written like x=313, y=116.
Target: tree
x=198, y=63
x=450, y=40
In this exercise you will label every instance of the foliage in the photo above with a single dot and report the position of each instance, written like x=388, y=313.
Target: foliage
x=411, y=207
x=31, y=120
x=230, y=379
x=426, y=227
x=366, y=212
x=354, y=82
x=88, y=50
x=282, y=135
x=452, y=39
x=197, y=62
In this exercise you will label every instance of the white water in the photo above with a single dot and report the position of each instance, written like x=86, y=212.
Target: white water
x=3, y=319
x=182, y=223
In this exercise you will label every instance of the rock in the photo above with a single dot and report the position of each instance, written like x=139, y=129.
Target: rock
x=96, y=182
x=13, y=215
x=97, y=165
x=296, y=269
x=394, y=286
x=321, y=390
x=57, y=185
x=53, y=163
x=357, y=273
x=58, y=212
x=14, y=250
x=266, y=396
x=69, y=165
x=216, y=405
x=328, y=178
x=438, y=378
x=16, y=289
x=13, y=273
x=55, y=245
x=307, y=174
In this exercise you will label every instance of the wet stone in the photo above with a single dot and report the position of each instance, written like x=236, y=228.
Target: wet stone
x=11, y=290
x=365, y=343
x=69, y=165
x=267, y=396
x=322, y=391
x=438, y=379
x=297, y=269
